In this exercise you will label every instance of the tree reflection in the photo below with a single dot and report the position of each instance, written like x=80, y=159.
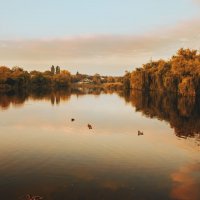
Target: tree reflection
x=16, y=99
x=55, y=96
x=183, y=113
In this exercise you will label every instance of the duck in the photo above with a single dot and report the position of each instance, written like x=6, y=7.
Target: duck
x=140, y=133
x=89, y=126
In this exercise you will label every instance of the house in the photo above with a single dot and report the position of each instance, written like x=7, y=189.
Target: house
x=85, y=81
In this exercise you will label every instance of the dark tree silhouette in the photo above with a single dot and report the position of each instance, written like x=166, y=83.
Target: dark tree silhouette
x=57, y=70
x=52, y=69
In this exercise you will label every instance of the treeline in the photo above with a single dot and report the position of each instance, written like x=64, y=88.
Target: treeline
x=180, y=74
x=18, y=78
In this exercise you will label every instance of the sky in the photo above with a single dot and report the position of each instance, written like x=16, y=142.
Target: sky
x=95, y=36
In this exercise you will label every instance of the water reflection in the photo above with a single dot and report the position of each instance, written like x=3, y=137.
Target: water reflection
x=182, y=113
x=185, y=181
x=43, y=153
x=18, y=98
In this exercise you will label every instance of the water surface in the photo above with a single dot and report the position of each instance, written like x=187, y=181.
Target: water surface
x=43, y=153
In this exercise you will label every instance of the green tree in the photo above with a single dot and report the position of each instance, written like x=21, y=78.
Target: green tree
x=57, y=70
x=53, y=69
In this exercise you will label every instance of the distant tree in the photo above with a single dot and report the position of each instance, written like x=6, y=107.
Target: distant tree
x=110, y=79
x=65, y=72
x=39, y=80
x=17, y=78
x=97, y=79
x=47, y=73
x=57, y=70
x=63, y=79
x=16, y=68
x=52, y=69
x=126, y=80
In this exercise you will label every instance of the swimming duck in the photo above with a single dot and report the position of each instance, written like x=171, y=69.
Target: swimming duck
x=89, y=126
x=140, y=133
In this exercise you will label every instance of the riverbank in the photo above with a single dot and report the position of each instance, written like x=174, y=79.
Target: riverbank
x=180, y=74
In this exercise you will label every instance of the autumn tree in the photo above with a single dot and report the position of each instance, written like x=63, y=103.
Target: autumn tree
x=126, y=80
x=181, y=74
x=62, y=79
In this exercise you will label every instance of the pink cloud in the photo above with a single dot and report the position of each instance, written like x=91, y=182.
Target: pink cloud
x=186, y=185
x=92, y=53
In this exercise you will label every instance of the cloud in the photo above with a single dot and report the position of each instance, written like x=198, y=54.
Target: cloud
x=101, y=53
x=196, y=1
x=186, y=185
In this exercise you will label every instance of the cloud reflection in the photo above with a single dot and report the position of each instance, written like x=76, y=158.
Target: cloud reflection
x=186, y=184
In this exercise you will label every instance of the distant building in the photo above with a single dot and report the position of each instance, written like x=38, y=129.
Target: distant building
x=85, y=81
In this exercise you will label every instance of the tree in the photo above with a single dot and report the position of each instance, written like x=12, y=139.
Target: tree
x=57, y=70
x=181, y=74
x=126, y=80
x=97, y=79
x=53, y=69
x=40, y=80
x=62, y=80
